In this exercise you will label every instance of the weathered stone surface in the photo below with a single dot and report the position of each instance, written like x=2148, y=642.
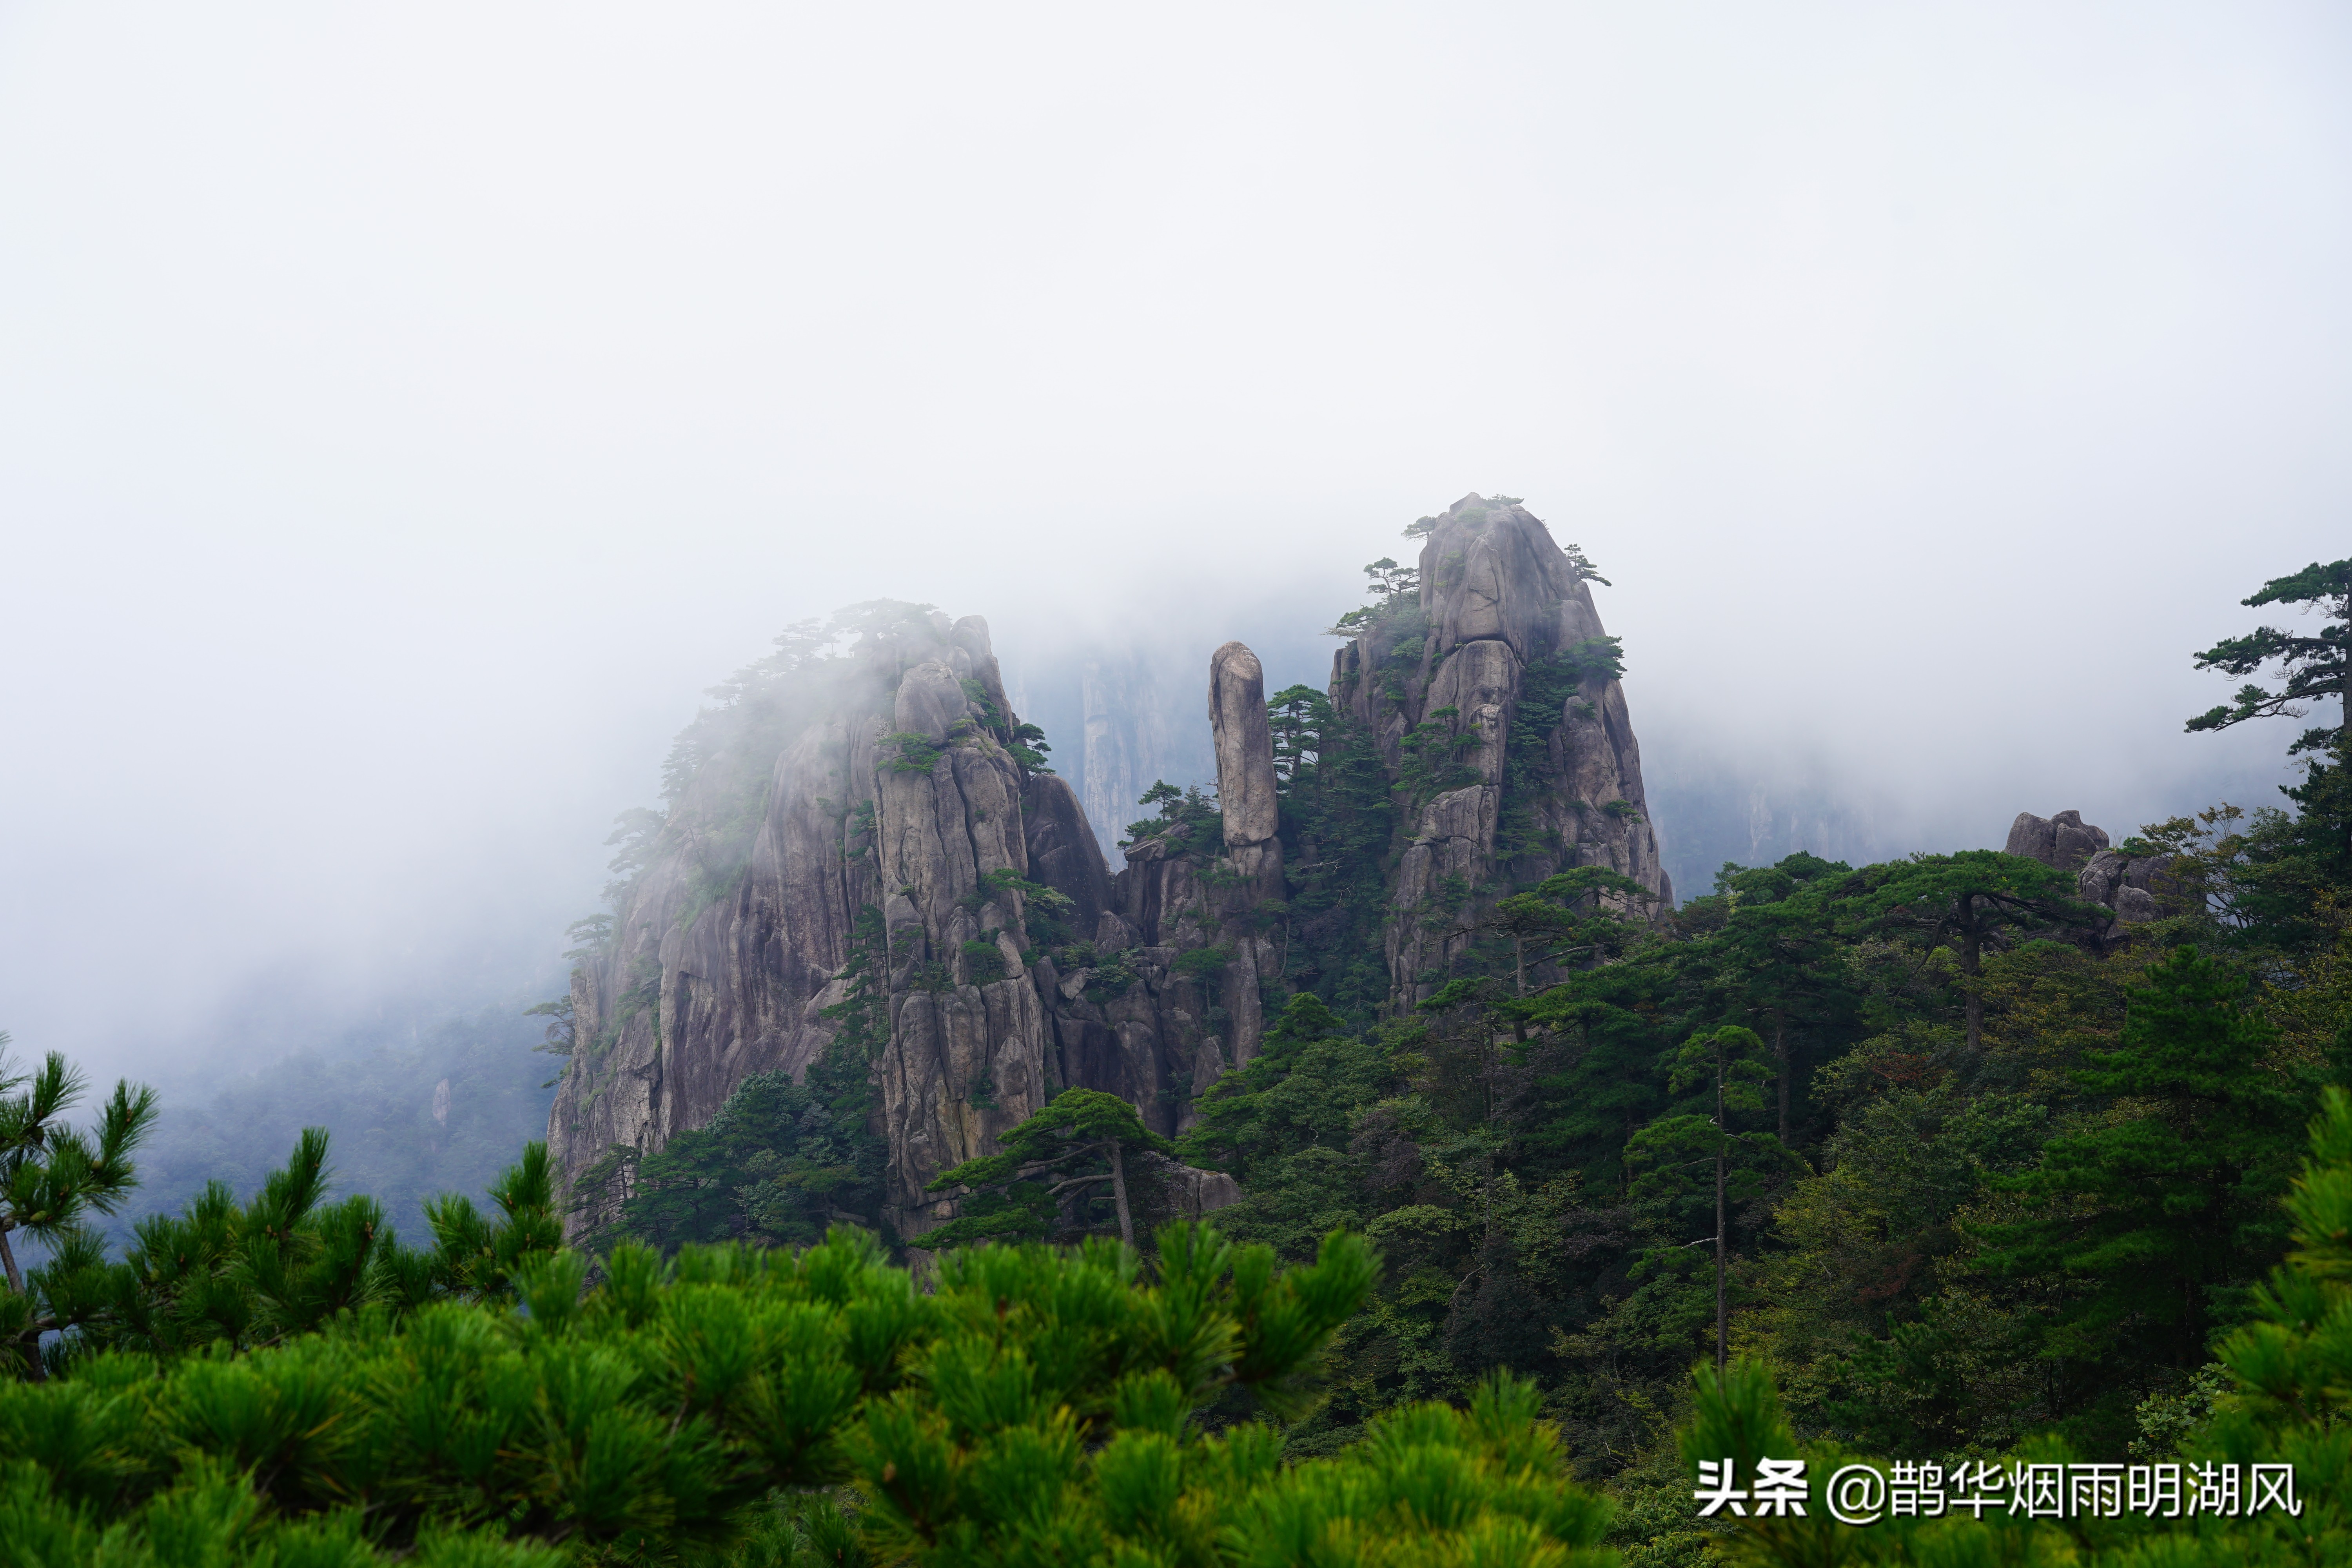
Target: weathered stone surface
x=1493, y=572
x=697, y=993
x=2065, y=841
x=1252, y=874
x=2101, y=876
x=2132, y=886
x=1481, y=684
x=1467, y=814
x=970, y=637
x=725, y=961
x=689, y=1003
x=1194, y=1193
x=2032, y=838
x=931, y=701
x=1245, y=782
x=1063, y=853
x=1498, y=596
x=2073, y=841
x=2127, y=886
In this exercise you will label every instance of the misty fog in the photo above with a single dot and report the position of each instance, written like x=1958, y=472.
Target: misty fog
x=407, y=412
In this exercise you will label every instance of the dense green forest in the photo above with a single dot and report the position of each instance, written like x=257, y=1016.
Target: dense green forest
x=1992, y=1167
x=1927, y=1161
x=282, y=1383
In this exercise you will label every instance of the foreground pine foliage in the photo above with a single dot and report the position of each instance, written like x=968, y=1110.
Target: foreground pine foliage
x=2292, y=1369
x=755, y=1406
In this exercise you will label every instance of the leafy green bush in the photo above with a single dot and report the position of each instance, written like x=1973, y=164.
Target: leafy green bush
x=1044, y=912
x=1339, y=820
x=1115, y=976
x=908, y=753
x=1029, y=749
x=1204, y=964
x=1433, y=753
x=982, y=963
x=52, y=1174
x=1190, y=820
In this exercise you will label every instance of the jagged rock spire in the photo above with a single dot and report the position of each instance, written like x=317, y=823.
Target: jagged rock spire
x=1503, y=670
x=1253, y=816
x=896, y=845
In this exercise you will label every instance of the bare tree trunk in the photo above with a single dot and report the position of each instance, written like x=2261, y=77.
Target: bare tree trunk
x=36, y=1371
x=1722, y=1147
x=1119, y=1193
x=1973, y=966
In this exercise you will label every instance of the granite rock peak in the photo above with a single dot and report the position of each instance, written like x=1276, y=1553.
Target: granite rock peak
x=876, y=856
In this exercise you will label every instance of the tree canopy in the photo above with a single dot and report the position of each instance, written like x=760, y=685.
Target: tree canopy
x=1079, y=1130
x=2310, y=666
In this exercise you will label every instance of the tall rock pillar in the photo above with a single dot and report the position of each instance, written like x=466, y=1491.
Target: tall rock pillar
x=1250, y=902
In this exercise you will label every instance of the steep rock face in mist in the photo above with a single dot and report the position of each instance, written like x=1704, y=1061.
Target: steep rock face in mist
x=1496, y=703
x=885, y=891
x=1142, y=1019
x=886, y=869
x=1132, y=732
x=1250, y=808
x=901, y=802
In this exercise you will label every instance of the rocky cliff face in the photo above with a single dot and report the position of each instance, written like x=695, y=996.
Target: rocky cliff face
x=911, y=880
x=898, y=804
x=1133, y=730
x=1496, y=701
x=887, y=868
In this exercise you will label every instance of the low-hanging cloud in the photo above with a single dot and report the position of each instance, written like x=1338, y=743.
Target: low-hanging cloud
x=403, y=413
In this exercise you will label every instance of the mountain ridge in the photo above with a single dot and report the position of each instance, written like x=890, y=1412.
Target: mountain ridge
x=911, y=885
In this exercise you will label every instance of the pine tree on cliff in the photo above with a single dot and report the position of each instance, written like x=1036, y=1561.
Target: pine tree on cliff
x=2292, y=859
x=2309, y=667
x=1081, y=1127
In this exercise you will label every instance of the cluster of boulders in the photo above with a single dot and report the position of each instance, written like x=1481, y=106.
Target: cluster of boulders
x=2130, y=887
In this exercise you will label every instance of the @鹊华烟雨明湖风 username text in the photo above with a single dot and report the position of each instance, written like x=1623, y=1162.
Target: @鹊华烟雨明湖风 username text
x=1862, y=1494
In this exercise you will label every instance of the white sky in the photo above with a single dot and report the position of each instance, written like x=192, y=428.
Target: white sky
x=405, y=411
